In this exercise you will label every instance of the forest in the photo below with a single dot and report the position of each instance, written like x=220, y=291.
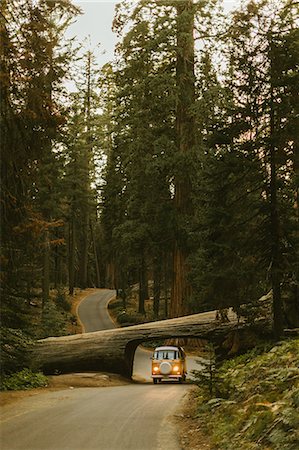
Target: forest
x=174, y=166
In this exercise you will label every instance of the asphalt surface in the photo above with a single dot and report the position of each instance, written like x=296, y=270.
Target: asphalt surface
x=130, y=417
x=136, y=416
x=93, y=313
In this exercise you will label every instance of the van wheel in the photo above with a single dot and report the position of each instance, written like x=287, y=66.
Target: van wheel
x=155, y=381
x=180, y=380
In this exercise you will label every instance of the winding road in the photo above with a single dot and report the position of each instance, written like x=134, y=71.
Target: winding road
x=93, y=312
x=136, y=416
x=94, y=316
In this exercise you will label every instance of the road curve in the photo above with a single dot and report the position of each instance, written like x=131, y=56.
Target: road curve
x=93, y=315
x=92, y=311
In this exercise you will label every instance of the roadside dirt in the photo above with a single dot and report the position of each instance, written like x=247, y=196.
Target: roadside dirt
x=67, y=381
x=191, y=431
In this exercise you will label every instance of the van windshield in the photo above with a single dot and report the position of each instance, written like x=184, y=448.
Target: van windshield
x=166, y=354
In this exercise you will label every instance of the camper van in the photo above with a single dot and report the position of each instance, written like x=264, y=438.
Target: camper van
x=168, y=363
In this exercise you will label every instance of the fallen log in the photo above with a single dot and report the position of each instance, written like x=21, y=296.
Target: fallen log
x=113, y=350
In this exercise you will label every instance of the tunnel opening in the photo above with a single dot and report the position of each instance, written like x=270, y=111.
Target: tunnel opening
x=139, y=354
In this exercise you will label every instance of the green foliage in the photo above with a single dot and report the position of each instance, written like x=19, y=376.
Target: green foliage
x=52, y=156
x=54, y=322
x=15, y=348
x=15, y=311
x=262, y=407
x=116, y=304
x=83, y=166
x=62, y=302
x=23, y=380
x=126, y=319
x=227, y=219
x=208, y=377
x=137, y=211
x=255, y=310
x=260, y=33
x=34, y=64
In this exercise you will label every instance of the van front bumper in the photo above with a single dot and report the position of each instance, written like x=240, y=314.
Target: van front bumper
x=165, y=377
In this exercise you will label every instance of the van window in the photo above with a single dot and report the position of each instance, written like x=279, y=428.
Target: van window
x=166, y=354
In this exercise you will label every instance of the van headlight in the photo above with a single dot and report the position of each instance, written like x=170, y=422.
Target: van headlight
x=176, y=369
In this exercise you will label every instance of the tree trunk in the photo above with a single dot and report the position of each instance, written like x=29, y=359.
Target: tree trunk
x=185, y=130
x=296, y=231
x=275, y=233
x=84, y=243
x=71, y=258
x=58, y=269
x=46, y=269
x=110, y=276
x=166, y=285
x=142, y=286
x=95, y=256
x=157, y=285
x=83, y=272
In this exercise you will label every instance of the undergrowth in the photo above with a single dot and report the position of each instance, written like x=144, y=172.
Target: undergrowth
x=260, y=405
x=23, y=380
x=54, y=318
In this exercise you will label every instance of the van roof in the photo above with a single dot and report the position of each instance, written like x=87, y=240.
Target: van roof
x=167, y=347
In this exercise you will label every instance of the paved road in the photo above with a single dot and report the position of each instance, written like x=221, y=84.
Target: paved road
x=93, y=313
x=130, y=417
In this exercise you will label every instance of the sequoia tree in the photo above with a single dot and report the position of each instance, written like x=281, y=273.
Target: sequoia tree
x=185, y=141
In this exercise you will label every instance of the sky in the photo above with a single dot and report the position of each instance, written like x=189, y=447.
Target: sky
x=95, y=25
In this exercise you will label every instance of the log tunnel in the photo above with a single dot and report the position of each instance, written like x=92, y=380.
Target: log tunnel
x=113, y=350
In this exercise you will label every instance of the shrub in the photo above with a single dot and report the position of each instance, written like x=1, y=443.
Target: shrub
x=126, y=319
x=115, y=304
x=62, y=302
x=210, y=378
x=54, y=322
x=25, y=379
x=15, y=346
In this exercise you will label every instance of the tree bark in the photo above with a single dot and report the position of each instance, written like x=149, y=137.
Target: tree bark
x=142, y=285
x=71, y=258
x=157, y=285
x=98, y=282
x=83, y=272
x=275, y=233
x=181, y=289
x=113, y=350
x=166, y=285
x=110, y=281
x=46, y=268
x=83, y=262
